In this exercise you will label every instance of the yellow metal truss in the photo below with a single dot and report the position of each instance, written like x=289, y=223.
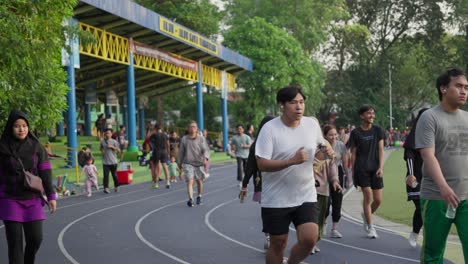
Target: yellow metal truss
x=111, y=47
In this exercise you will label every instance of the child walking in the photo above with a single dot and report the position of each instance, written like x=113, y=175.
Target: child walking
x=91, y=173
x=173, y=169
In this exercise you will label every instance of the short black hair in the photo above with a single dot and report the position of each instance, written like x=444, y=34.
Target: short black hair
x=121, y=126
x=365, y=108
x=108, y=129
x=445, y=78
x=239, y=125
x=288, y=93
x=157, y=126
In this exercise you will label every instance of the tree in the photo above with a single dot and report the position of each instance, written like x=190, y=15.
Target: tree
x=201, y=15
x=31, y=76
x=278, y=60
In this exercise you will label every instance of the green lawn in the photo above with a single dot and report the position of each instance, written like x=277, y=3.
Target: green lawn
x=395, y=206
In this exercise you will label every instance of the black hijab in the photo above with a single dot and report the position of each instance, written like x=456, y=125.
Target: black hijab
x=11, y=145
x=410, y=142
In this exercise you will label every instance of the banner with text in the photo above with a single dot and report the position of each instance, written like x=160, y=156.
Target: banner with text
x=145, y=50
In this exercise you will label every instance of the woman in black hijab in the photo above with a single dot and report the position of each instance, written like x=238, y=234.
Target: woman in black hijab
x=21, y=209
x=413, y=179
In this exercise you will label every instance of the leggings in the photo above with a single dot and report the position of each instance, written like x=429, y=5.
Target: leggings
x=336, y=199
x=417, y=217
x=14, y=235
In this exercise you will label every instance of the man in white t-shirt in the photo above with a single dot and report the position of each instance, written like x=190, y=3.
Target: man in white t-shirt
x=285, y=151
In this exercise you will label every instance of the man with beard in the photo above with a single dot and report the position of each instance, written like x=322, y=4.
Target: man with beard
x=367, y=159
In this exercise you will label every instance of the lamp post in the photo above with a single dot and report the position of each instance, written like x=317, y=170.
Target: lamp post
x=390, y=94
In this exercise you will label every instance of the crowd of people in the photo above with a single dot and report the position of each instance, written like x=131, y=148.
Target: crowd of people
x=299, y=170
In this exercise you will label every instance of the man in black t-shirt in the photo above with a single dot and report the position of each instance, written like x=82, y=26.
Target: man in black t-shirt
x=159, y=145
x=367, y=150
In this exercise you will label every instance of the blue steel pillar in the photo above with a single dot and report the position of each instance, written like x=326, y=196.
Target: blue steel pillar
x=224, y=114
x=200, y=97
x=71, y=113
x=132, y=144
x=87, y=117
x=141, y=115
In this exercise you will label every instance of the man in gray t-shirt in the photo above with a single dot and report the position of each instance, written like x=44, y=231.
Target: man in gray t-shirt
x=109, y=148
x=442, y=139
x=240, y=144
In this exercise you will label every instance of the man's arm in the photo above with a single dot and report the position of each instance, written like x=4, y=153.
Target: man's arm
x=276, y=165
x=381, y=158
x=432, y=164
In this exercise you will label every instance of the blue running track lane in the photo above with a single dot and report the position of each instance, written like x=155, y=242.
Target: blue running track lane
x=140, y=225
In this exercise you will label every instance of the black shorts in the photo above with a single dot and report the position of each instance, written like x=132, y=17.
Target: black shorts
x=368, y=179
x=159, y=156
x=276, y=221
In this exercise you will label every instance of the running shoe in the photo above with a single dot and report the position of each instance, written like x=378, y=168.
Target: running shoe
x=316, y=249
x=116, y=189
x=106, y=190
x=413, y=239
x=266, y=244
x=335, y=234
x=364, y=222
x=199, y=200
x=372, y=233
x=190, y=203
x=155, y=185
x=168, y=186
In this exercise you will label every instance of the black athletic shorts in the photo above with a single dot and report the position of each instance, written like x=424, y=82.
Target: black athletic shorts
x=368, y=179
x=159, y=156
x=276, y=221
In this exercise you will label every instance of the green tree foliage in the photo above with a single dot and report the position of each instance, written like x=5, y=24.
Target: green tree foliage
x=31, y=76
x=306, y=20
x=200, y=15
x=278, y=61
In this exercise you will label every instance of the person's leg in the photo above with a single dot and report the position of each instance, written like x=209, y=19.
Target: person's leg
x=14, y=236
x=436, y=229
x=322, y=202
x=200, y=187
x=239, y=169
x=307, y=235
x=113, y=169
x=244, y=167
x=376, y=200
x=105, y=176
x=153, y=165
x=166, y=174
x=366, y=204
x=190, y=189
x=336, y=201
x=417, y=218
x=88, y=186
x=33, y=236
x=275, y=252
x=461, y=219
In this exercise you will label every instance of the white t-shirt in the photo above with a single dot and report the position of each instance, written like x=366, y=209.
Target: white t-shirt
x=296, y=184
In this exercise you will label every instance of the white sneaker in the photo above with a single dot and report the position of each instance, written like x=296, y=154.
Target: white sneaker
x=336, y=234
x=372, y=233
x=364, y=222
x=413, y=239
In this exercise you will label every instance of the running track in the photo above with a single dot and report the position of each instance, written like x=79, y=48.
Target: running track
x=141, y=225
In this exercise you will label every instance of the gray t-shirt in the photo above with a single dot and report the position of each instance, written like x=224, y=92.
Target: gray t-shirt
x=109, y=156
x=193, y=151
x=241, y=140
x=448, y=133
x=340, y=151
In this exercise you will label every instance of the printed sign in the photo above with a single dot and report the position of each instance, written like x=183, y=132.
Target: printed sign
x=90, y=95
x=111, y=98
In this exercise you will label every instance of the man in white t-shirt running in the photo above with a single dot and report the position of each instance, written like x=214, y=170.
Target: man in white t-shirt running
x=285, y=151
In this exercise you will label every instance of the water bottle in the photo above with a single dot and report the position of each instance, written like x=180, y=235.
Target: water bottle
x=451, y=212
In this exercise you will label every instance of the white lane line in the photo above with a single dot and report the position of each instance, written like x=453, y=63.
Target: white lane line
x=149, y=244
x=365, y=250
x=122, y=194
x=64, y=230
x=208, y=223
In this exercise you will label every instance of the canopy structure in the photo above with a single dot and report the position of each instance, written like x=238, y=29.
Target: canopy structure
x=138, y=53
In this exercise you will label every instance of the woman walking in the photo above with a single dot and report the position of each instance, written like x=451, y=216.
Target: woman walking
x=21, y=209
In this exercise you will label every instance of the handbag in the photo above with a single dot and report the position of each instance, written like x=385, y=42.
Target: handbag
x=33, y=183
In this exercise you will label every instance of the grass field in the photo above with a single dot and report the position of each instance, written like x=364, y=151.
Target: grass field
x=395, y=206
